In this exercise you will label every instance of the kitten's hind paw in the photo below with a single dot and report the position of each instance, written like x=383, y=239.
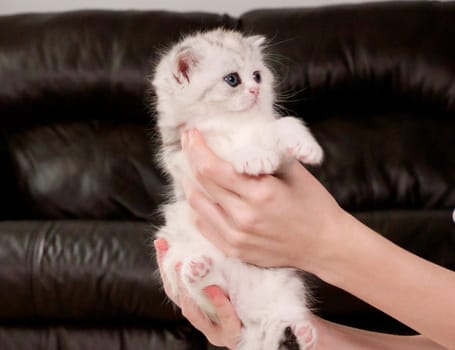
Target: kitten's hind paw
x=301, y=336
x=196, y=269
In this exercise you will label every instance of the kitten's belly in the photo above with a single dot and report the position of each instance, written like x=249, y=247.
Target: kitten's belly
x=180, y=229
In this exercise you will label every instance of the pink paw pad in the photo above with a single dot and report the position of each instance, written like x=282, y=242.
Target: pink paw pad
x=196, y=269
x=306, y=334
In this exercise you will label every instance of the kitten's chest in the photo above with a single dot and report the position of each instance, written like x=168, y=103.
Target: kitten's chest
x=224, y=138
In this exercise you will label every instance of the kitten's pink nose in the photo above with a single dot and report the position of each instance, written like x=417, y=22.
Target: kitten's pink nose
x=254, y=90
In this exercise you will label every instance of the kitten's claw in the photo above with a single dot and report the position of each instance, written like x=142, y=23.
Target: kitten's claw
x=256, y=162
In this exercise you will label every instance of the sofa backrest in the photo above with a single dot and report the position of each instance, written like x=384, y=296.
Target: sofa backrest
x=75, y=127
x=375, y=83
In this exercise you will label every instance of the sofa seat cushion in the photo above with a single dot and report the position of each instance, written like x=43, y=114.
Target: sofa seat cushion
x=63, y=337
x=79, y=270
x=101, y=271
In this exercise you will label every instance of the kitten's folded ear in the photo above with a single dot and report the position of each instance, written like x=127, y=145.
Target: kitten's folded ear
x=184, y=62
x=256, y=40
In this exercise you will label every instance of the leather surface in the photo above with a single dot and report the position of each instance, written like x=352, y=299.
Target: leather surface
x=377, y=92
x=158, y=336
x=80, y=186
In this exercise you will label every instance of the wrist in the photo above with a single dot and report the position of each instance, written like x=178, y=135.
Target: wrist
x=341, y=238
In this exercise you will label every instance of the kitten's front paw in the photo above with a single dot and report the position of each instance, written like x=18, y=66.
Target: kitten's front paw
x=296, y=140
x=299, y=336
x=256, y=161
x=308, y=152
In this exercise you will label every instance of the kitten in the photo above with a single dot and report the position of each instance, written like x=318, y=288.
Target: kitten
x=217, y=82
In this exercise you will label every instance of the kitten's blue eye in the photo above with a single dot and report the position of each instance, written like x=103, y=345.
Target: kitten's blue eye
x=257, y=76
x=232, y=79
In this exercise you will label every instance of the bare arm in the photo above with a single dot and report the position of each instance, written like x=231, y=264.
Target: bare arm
x=335, y=336
x=294, y=221
x=413, y=290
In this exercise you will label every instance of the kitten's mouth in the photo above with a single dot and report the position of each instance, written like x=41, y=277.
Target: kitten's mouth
x=253, y=102
x=247, y=105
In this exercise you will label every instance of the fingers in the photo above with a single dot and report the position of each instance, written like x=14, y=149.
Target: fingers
x=227, y=316
x=189, y=308
x=229, y=201
x=219, y=179
x=213, y=215
x=161, y=248
x=212, y=221
x=224, y=333
x=213, y=173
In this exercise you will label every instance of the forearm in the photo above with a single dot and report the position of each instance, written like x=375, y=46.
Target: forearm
x=413, y=290
x=335, y=336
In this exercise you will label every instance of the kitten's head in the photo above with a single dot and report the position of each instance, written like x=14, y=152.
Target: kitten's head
x=218, y=70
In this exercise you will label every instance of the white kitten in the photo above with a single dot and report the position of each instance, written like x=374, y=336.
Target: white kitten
x=218, y=82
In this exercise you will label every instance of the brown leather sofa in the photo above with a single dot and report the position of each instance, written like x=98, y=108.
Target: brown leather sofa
x=79, y=187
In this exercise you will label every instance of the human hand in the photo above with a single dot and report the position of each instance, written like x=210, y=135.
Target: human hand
x=224, y=333
x=265, y=220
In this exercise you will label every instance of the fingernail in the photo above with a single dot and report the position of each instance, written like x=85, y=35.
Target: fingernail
x=160, y=245
x=213, y=292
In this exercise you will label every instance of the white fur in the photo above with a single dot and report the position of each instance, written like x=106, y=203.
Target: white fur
x=241, y=127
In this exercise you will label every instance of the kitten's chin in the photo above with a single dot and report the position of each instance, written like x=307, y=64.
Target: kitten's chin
x=255, y=106
x=251, y=106
x=244, y=109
